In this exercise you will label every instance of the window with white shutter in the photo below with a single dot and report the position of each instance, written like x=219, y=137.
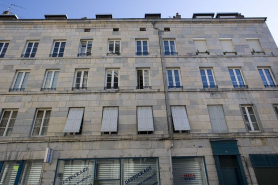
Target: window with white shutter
x=145, y=120
x=255, y=46
x=201, y=46
x=110, y=120
x=217, y=119
x=31, y=173
x=180, y=118
x=74, y=121
x=227, y=46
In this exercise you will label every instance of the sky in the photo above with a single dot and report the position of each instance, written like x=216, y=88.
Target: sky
x=36, y=9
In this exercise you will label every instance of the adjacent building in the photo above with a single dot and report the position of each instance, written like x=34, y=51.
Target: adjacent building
x=145, y=101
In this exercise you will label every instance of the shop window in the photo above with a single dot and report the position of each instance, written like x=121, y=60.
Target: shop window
x=31, y=173
x=108, y=171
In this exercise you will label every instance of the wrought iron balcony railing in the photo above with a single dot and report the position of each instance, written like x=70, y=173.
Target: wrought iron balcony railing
x=84, y=54
x=269, y=86
x=241, y=86
x=142, y=53
x=175, y=87
x=16, y=89
x=170, y=53
x=79, y=88
x=111, y=88
x=143, y=87
x=210, y=86
x=48, y=89
x=111, y=54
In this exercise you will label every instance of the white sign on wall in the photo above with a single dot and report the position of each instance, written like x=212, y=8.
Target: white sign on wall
x=48, y=155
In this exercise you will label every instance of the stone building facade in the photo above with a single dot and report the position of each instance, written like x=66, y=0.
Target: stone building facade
x=229, y=125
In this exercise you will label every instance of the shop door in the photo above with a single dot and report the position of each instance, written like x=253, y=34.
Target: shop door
x=266, y=176
x=229, y=170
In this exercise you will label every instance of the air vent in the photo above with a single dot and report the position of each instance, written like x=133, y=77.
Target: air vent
x=56, y=17
x=203, y=15
x=152, y=16
x=142, y=29
x=104, y=16
x=167, y=29
x=87, y=30
x=115, y=29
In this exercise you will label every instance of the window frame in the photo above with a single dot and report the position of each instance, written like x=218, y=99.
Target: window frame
x=265, y=76
x=112, y=78
x=249, y=119
x=4, y=43
x=170, y=51
x=206, y=73
x=52, y=78
x=276, y=112
x=252, y=52
x=86, y=50
x=197, y=50
x=21, y=81
x=43, y=119
x=114, y=47
x=142, y=47
x=58, y=52
x=81, y=79
x=26, y=47
x=232, y=68
x=149, y=77
x=174, y=80
x=9, y=120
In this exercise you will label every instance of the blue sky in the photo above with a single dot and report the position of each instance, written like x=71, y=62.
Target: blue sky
x=137, y=9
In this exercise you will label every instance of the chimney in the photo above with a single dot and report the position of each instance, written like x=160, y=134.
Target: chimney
x=177, y=16
x=6, y=12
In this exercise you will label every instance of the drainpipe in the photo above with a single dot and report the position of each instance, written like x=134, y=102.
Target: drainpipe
x=165, y=82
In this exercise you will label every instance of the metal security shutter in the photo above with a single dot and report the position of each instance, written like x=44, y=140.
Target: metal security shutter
x=189, y=171
x=145, y=119
x=132, y=167
x=71, y=168
x=254, y=44
x=200, y=45
x=74, y=120
x=110, y=120
x=227, y=45
x=217, y=118
x=180, y=118
x=9, y=172
x=31, y=172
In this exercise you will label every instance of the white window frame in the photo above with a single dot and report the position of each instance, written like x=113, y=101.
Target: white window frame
x=265, y=76
x=142, y=40
x=4, y=43
x=206, y=72
x=35, y=41
x=173, y=75
x=169, y=40
x=143, y=69
x=9, y=120
x=82, y=78
x=237, y=82
x=86, y=50
x=114, y=46
x=22, y=79
x=112, y=79
x=52, y=77
x=43, y=119
x=58, y=52
x=249, y=119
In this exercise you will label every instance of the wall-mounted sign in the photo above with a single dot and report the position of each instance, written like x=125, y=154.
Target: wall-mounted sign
x=48, y=155
x=189, y=176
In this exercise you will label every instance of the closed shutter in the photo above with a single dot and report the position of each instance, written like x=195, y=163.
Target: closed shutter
x=189, y=171
x=132, y=167
x=110, y=120
x=145, y=119
x=254, y=44
x=200, y=45
x=180, y=118
x=31, y=172
x=217, y=119
x=9, y=172
x=227, y=45
x=73, y=171
x=74, y=120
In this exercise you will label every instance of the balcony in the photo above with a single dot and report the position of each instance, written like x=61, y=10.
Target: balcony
x=170, y=53
x=48, y=89
x=84, y=54
x=16, y=89
x=112, y=54
x=142, y=53
x=241, y=86
x=143, y=87
x=56, y=55
x=79, y=88
x=270, y=86
x=210, y=86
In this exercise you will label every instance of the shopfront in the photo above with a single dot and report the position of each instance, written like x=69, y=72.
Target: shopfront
x=110, y=171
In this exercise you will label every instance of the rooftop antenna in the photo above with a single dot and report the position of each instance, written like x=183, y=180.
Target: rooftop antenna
x=8, y=12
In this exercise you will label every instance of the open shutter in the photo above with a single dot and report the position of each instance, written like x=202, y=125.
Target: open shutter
x=200, y=45
x=74, y=120
x=227, y=45
x=180, y=118
x=217, y=119
x=254, y=44
x=110, y=120
x=145, y=119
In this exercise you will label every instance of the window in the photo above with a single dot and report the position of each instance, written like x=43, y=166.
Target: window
x=110, y=120
x=115, y=29
x=20, y=81
x=74, y=121
x=112, y=79
x=237, y=79
x=7, y=122
x=250, y=118
x=31, y=172
x=169, y=47
x=58, y=49
x=9, y=172
x=114, y=47
x=227, y=46
x=107, y=171
x=85, y=48
x=276, y=109
x=3, y=48
x=142, y=47
x=207, y=78
x=143, y=78
x=41, y=122
x=30, y=50
x=255, y=46
x=50, y=80
x=267, y=77
x=142, y=29
x=81, y=79
x=173, y=78
x=145, y=120
x=166, y=29
x=87, y=30
x=217, y=119
x=180, y=119
x=201, y=46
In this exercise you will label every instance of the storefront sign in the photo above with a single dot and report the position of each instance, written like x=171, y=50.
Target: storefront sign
x=189, y=176
x=68, y=179
x=138, y=175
